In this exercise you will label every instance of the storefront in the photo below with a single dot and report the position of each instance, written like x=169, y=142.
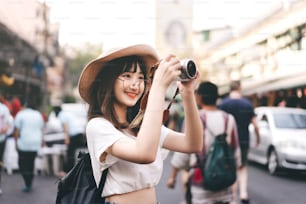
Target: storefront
x=18, y=76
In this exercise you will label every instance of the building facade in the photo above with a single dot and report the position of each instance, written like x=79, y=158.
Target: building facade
x=29, y=45
x=267, y=56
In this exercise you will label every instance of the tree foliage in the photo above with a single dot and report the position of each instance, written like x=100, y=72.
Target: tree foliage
x=79, y=57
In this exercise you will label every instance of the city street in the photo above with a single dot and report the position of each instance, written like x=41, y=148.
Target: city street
x=282, y=189
x=47, y=52
x=263, y=188
x=44, y=190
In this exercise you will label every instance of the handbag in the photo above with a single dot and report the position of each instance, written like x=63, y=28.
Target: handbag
x=78, y=186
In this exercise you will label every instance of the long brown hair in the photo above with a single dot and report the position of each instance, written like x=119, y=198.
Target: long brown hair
x=101, y=92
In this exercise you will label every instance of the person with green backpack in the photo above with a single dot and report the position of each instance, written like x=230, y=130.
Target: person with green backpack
x=203, y=184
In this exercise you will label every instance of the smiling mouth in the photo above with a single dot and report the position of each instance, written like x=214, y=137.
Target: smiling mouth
x=132, y=95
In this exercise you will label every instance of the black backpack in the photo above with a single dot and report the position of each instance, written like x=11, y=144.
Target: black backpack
x=78, y=186
x=218, y=165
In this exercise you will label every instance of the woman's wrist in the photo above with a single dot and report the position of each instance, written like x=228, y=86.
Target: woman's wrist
x=158, y=87
x=186, y=93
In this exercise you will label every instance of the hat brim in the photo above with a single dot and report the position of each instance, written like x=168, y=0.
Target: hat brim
x=91, y=70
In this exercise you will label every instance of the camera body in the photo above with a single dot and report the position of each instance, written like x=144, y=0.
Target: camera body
x=189, y=70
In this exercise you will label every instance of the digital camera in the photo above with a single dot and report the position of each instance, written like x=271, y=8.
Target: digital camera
x=189, y=70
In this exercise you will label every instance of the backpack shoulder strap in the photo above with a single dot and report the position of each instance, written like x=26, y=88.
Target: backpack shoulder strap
x=201, y=155
x=203, y=119
x=102, y=181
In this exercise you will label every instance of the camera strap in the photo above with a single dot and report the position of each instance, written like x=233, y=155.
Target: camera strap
x=167, y=110
x=138, y=118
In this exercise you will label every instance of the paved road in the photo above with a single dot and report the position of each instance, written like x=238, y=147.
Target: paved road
x=166, y=195
x=285, y=188
x=44, y=190
x=263, y=189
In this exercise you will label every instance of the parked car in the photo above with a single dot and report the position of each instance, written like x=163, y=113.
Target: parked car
x=282, y=138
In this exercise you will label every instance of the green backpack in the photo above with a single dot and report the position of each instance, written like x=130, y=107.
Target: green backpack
x=218, y=165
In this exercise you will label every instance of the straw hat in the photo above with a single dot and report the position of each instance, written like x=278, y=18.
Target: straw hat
x=91, y=70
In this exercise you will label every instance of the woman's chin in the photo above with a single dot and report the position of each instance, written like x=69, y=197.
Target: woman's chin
x=131, y=103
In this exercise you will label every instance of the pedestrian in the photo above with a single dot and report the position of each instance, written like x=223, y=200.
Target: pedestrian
x=15, y=105
x=6, y=122
x=55, y=131
x=75, y=140
x=207, y=95
x=125, y=132
x=242, y=110
x=180, y=165
x=29, y=126
x=4, y=100
x=175, y=122
x=55, y=135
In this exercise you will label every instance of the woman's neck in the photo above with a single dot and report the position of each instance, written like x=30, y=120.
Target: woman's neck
x=120, y=113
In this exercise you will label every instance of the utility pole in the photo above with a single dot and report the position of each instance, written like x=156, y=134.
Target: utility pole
x=45, y=57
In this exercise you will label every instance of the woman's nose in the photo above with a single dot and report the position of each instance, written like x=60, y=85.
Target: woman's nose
x=136, y=82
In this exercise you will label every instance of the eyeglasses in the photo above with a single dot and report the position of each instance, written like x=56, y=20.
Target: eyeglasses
x=128, y=79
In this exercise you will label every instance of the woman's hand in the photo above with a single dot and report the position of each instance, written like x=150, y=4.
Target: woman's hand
x=188, y=87
x=168, y=71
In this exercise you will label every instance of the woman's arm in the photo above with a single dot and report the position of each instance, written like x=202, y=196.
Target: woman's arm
x=192, y=140
x=145, y=147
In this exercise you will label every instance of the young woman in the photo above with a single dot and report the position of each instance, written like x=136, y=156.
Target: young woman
x=116, y=86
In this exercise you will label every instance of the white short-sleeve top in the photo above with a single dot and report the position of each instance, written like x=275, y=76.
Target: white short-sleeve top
x=123, y=176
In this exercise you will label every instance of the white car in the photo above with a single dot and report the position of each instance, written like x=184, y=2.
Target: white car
x=282, y=138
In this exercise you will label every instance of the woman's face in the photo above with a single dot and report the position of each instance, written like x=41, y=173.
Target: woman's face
x=129, y=87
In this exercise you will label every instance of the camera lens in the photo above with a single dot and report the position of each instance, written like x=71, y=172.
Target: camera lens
x=191, y=68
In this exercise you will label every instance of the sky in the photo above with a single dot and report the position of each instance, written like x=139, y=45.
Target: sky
x=105, y=20
x=114, y=22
